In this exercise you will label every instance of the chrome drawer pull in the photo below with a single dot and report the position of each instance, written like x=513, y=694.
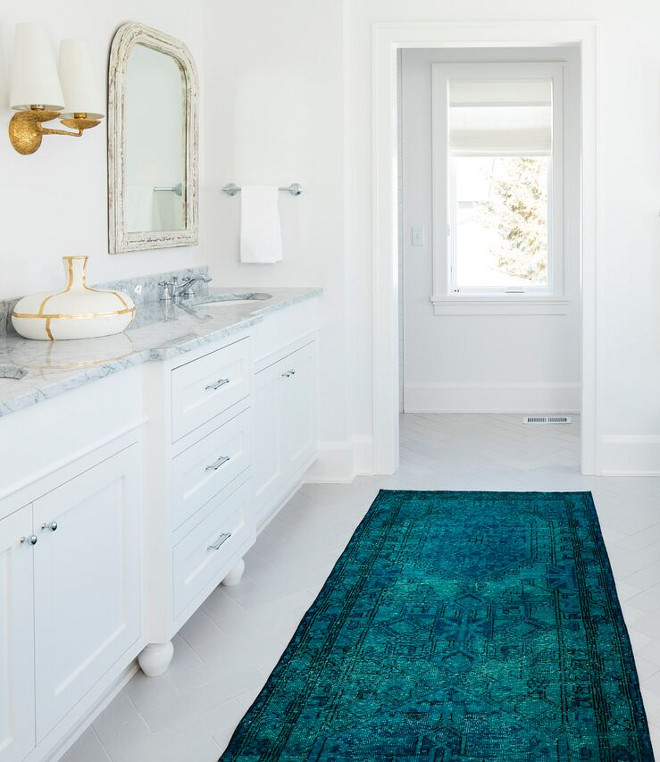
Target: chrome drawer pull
x=222, y=539
x=219, y=462
x=31, y=540
x=289, y=373
x=220, y=382
x=52, y=525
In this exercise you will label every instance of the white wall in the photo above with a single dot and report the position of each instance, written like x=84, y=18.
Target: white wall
x=482, y=363
x=627, y=196
x=274, y=115
x=54, y=202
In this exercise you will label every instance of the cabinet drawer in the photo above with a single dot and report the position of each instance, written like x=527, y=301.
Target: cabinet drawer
x=206, y=387
x=201, y=471
x=204, y=555
x=282, y=328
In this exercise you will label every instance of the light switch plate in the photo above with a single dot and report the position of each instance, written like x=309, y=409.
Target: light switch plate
x=417, y=236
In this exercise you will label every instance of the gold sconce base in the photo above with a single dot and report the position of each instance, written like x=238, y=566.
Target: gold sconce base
x=26, y=131
x=80, y=124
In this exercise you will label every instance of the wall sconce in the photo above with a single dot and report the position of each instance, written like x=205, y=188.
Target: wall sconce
x=39, y=95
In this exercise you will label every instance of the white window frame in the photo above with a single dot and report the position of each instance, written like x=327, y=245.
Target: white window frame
x=548, y=300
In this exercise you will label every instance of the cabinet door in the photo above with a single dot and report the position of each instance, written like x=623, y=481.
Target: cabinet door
x=267, y=441
x=285, y=420
x=87, y=582
x=297, y=404
x=16, y=638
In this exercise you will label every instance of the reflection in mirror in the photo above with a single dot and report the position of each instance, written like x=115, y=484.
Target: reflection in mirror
x=152, y=141
x=155, y=158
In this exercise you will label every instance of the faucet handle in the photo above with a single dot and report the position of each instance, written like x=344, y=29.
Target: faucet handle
x=185, y=289
x=168, y=289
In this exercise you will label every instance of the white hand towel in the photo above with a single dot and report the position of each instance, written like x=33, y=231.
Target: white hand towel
x=139, y=208
x=261, y=236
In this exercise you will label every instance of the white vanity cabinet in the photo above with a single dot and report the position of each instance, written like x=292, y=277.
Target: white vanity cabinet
x=200, y=514
x=285, y=405
x=69, y=598
x=232, y=430
x=70, y=554
x=125, y=502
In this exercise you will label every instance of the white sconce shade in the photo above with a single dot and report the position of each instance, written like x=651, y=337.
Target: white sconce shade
x=34, y=75
x=81, y=93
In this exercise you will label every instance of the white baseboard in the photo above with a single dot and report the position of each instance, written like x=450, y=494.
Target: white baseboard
x=492, y=398
x=341, y=462
x=619, y=455
x=335, y=464
x=629, y=455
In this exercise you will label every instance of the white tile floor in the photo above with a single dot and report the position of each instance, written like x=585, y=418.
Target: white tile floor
x=225, y=652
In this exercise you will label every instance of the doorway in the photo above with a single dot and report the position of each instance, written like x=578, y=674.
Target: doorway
x=388, y=39
x=489, y=234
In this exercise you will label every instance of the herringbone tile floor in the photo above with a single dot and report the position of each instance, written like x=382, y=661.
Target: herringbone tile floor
x=226, y=651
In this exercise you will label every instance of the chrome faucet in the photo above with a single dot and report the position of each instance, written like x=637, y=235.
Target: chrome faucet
x=174, y=291
x=184, y=290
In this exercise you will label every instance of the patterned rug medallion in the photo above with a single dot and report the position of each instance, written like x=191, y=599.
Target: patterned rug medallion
x=459, y=626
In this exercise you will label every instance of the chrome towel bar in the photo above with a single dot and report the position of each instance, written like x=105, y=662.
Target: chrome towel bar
x=176, y=189
x=295, y=189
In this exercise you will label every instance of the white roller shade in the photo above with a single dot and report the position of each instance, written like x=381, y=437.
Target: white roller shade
x=500, y=117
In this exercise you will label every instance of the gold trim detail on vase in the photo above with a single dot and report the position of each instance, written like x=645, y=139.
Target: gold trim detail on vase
x=69, y=285
x=63, y=316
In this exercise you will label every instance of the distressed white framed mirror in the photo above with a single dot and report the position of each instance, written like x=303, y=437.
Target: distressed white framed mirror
x=153, y=141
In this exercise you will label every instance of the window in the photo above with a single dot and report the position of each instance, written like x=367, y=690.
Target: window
x=497, y=184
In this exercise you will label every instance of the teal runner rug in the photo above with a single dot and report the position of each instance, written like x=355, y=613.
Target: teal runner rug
x=459, y=626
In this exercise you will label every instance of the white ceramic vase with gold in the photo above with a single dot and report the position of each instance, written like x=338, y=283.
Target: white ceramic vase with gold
x=76, y=312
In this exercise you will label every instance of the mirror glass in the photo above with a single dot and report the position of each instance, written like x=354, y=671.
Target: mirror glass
x=152, y=141
x=155, y=140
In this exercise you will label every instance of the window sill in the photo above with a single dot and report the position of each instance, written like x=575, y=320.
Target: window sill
x=500, y=305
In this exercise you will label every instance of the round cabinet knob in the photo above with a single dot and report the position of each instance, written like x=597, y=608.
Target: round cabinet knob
x=31, y=540
x=51, y=525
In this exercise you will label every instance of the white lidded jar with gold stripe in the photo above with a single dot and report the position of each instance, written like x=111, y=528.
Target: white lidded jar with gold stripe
x=76, y=312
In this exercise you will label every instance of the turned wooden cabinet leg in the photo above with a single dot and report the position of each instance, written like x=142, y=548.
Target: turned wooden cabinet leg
x=235, y=574
x=155, y=658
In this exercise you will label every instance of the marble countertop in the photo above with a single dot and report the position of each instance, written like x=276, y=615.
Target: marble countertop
x=161, y=330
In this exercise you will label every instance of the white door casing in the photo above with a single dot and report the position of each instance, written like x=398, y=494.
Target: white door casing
x=388, y=38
